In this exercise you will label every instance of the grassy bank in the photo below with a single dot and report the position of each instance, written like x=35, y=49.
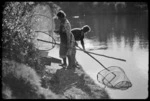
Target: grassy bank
x=22, y=82
x=24, y=74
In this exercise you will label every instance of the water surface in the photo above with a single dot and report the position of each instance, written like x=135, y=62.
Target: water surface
x=120, y=36
x=126, y=37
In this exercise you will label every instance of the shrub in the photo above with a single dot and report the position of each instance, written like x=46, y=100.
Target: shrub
x=17, y=33
x=22, y=82
x=20, y=56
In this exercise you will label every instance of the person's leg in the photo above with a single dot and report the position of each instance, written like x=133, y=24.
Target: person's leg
x=73, y=59
x=64, y=61
x=63, y=54
x=69, y=61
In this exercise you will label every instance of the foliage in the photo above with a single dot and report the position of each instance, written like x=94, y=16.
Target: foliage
x=17, y=33
x=21, y=81
x=20, y=58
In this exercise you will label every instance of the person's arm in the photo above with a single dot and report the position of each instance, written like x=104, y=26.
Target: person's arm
x=76, y=44
x=82, y=43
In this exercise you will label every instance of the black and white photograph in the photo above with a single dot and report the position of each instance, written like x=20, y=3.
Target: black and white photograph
x=75, y=50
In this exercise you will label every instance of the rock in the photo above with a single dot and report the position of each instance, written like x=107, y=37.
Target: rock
x=76, y=84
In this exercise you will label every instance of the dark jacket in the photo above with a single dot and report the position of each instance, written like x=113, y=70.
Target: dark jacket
x=78, y=34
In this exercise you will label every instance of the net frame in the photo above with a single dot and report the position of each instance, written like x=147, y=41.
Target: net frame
x=53, y=42
x=122, y=84
x=33, y=21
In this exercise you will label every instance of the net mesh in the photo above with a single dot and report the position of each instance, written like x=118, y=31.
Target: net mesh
x=114, y=77
x=43, y=26
x=44, y=45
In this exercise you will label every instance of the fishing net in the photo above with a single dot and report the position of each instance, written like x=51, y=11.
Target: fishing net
x=114, y=77
x=43, y=26
x=44, y=41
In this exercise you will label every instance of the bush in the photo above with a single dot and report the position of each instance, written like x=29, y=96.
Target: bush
x=20, y=56
x=22, y=82
x=17, y=34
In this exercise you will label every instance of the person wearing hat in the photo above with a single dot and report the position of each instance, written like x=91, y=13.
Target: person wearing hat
x=67, y=41
x=79, y=34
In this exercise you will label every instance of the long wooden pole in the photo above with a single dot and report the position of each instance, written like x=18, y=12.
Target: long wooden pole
x=100, y=64
x=93, y=58
x=87, y=51
x=106, y=56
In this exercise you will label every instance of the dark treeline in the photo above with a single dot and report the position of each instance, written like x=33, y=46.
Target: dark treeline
x=103, y=7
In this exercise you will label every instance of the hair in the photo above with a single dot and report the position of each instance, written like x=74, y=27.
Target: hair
x=86, y=28
x=61, y=14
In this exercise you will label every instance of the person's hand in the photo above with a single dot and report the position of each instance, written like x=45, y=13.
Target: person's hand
x=76, y=44
x=56, y=31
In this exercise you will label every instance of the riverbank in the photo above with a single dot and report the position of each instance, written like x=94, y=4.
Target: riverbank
x=57, y=83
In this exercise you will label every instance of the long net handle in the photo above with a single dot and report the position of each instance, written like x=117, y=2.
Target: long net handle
x=101, y=65
x=108, y=56
x=93, y=58
x=85, y=51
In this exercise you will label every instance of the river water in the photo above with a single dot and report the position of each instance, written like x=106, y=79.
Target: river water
x=120, y=36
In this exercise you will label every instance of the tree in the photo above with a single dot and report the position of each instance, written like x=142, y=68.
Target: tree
x=17, y=33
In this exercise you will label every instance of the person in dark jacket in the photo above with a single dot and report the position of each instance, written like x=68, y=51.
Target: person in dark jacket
x=79, y=34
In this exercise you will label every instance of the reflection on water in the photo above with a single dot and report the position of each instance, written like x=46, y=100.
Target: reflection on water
x=123, y=36
x=104, y=27
x=120, y=36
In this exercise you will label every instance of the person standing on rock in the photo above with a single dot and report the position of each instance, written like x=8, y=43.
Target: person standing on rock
x=67, y=41
x=79, y=34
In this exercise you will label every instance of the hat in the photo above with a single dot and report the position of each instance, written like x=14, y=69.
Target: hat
x=61, y=14
x=86, y=28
